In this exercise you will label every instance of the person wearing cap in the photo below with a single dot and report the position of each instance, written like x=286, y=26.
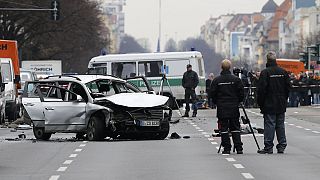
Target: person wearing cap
x=227, y=92
x=273, y=93
x=190, y=81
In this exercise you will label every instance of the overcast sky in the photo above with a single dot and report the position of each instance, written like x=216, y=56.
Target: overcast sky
x=180, y=18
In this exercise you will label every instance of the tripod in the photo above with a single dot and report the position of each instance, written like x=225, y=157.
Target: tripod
x=164, y=79
x=245, y=119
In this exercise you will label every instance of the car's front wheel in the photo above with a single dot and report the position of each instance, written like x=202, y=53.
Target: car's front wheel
x=165, y=132
x=96, y=129
x=39, y=133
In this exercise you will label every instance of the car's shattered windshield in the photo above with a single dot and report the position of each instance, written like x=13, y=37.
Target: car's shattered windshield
x=103, y=88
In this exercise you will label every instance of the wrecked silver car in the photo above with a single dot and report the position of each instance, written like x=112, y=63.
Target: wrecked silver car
x=94, y=106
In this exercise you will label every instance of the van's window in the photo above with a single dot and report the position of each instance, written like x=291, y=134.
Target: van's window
x=6, y=72
x=177, y=67
x=124, y=69
x=150, y=69
x=26, y=76
x=98, y=70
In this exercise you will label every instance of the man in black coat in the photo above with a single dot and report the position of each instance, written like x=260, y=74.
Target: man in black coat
x=190, y=81
x=273, y=92
x=227, y=93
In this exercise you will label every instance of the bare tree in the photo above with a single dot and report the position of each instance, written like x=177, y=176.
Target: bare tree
x=74, y=39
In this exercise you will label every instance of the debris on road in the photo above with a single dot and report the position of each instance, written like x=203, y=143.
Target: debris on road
x=175, y=136
x=186, y=137
x=22, y=136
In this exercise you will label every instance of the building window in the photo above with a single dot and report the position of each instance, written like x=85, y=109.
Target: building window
x=318, y=19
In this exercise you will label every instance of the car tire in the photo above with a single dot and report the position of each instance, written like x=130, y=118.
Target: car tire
x=96, y=129
x=12, y=116
x=39, y=133
x=164, y=134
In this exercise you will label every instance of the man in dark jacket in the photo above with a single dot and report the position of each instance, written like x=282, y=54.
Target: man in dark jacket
x=273, y=92
x=190, y=81
x=227, y=93
x=208, y=87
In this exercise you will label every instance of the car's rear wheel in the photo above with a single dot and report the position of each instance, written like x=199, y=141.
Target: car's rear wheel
x=39, y=133
x=96, y=129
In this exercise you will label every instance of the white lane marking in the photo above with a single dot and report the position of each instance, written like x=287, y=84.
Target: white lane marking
x=296, y=112
x=194, y=125
x=54, y=177
x=82, y=145
x=307, y=129
x=247, y=175
x=317, y=132
x=230, y=159
x=211, y=139
x=204, y=133
x=73, y=155
x=238, y=166
x=207, y=135
x=191, y=123
x=85, y=141
x=286, y=122
x=197, y=127
x=214, y=143
x=62, y=169
x=217, y=147
x=78, y=150
x=299, y=127
x=225, y=154
x=185, y=118
x=291, y=124
x=67, y=162
x=200, y=130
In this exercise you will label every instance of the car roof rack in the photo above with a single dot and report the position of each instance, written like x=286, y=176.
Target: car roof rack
x=105, y=75
x=60, y=76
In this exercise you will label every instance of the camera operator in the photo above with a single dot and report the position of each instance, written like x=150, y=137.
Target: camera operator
x=227, y=92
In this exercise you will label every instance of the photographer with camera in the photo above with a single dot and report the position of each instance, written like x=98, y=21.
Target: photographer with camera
x=227, y=92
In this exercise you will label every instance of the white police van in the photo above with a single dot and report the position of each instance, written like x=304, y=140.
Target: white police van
x=153, y=66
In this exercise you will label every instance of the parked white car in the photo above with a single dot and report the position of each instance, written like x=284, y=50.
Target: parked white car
x=96, y=106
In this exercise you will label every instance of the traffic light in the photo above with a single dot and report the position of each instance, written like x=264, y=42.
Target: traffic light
x=304, y=58
x=55, y=12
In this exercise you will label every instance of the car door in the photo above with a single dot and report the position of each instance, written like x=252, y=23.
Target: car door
x=63, y=111
x=32, y=104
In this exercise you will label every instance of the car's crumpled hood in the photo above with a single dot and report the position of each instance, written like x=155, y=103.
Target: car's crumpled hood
x=137, y=100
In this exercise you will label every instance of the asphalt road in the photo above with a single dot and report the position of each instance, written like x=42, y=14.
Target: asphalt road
x=64, y=158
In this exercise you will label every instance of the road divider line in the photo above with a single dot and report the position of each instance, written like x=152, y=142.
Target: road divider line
x=73, y=155
x=185, y=118
x=194, y=125
x=200, y=130
x=78, y=150
x=247, y=175
x=307, y=129
x=230, y=159
x=214, y=143
x=85, y=141
x=299, y=127
x=204, y=133
x=61, y=169
x=291, y=124
x=317, y=132
x=82, y=145
x=54, y=177
x=67, y=162
x=207, y=135
x=238, y=166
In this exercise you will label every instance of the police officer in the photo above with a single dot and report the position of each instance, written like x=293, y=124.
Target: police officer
x=190, y=81
x=273, y=92
x=228, y=92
